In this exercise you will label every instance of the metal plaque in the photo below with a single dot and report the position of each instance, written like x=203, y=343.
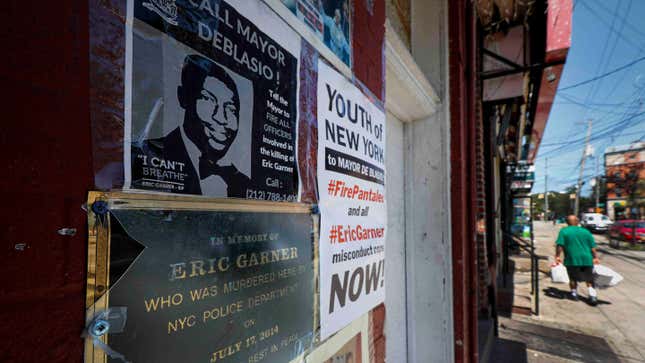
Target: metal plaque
x=193, y=281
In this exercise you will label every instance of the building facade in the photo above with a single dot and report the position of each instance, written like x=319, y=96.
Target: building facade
x=625, y=175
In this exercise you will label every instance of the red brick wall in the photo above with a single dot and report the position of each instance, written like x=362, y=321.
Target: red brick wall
x=368, y=41
x=463, y=98
x=46, y=168
x=625, y=176
x=623, y=180
x=369, y=69
x=480, y=197
x=377, y=334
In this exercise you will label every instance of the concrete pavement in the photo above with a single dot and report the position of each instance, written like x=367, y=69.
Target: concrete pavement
x=574, y=331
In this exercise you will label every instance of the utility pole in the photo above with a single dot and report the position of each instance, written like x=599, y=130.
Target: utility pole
x=546, y=189
x=576, y=207
x=597, y=185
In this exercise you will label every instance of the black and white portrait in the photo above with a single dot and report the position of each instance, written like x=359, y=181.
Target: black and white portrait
x=211, y=110
x=198, y=140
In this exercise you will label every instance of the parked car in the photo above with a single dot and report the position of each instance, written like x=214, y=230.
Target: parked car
x=623, y=231
x=596, y=222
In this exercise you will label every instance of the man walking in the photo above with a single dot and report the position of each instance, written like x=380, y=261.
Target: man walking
x=580, y=255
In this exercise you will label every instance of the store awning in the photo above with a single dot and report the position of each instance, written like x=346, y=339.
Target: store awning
x=558, y=42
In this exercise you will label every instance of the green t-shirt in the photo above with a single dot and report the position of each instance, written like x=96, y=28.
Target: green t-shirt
x=577, y=243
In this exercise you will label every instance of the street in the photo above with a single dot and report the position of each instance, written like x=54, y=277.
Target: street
x=574, y=331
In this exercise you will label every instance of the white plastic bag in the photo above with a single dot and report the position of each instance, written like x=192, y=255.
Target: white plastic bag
x=559, y=274
x=605, y=277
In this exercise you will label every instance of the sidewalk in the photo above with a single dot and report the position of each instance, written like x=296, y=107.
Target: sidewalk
x=574, y=331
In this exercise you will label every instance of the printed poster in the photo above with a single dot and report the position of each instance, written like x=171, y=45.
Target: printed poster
x=351, y=182
x=521, y=225
x=329, y=20
x=349, y=345
x=211, y=99
x=349, y=353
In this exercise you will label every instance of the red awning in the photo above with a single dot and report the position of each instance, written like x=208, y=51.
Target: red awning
x=557, y=46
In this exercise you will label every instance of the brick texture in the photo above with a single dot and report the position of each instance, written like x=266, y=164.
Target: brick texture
x=369, y=70
x=480, y=237
x=480, y=200
x=46, y=158
x=368, y=39
x=377, y=334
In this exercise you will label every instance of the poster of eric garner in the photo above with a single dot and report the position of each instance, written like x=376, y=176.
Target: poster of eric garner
x=211, y=99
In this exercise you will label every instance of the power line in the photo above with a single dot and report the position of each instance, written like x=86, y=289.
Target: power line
x=604, y=133
x=567, y=142
x=626, y=112
x=602, y=64
x=614, y=124
x=567, y=149
x=570, y=180
x=594, y=108
x=573, y=99
x=624, y=23
x=615, y=43
x=592, y=90
x=629, y=25
x=627, y=40
x=636, y=61
x=613, y=137
x=568, y=146
x=622, y=77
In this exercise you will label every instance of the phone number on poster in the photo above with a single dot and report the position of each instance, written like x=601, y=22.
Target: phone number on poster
x=272, y=196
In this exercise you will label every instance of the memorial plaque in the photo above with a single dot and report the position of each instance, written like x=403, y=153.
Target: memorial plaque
x=206, y=285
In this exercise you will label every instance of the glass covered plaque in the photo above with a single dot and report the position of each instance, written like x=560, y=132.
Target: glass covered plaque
x=176, y=280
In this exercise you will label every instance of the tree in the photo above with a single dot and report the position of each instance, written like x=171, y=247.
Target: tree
x=561, y=204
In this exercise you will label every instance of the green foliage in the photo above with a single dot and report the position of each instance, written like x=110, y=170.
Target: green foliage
x=561, y=203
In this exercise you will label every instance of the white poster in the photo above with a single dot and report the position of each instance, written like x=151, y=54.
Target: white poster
x=211, y=100
x=351, y=182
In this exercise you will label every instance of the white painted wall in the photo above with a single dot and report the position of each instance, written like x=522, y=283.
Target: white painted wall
x=419, y=317
x=428, y=242
x=395, y=294
x=418, y=324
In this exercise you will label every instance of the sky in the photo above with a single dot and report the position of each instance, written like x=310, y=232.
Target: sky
x=606, y=35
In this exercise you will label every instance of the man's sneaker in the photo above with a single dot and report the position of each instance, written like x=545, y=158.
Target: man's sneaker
x=574, y=296
x=593, y=301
